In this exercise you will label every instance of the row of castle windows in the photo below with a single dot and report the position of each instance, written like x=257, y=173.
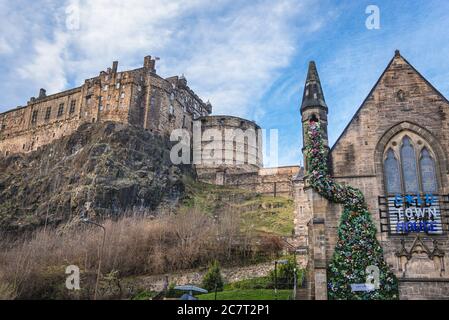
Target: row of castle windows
x=106, y=87
x=48, y=111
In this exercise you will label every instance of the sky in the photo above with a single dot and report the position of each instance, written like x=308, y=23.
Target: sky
x=249, y=58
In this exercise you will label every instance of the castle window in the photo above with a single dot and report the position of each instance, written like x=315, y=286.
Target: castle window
x=34, y=117
x=117, y=85
x=105, y=87
x=122, y=95
x=48, y=113
x=410, y=166
x=171, y=110
x=61, y=110
x=72, y=106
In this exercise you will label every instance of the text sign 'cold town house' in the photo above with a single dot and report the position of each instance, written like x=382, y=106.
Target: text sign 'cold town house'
x=420, y=213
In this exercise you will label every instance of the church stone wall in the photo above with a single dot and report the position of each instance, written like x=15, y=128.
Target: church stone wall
x=401, y=100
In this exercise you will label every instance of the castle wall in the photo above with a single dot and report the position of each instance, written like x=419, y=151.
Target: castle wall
x=276, y=182
x=229, y=146
x=138, y=97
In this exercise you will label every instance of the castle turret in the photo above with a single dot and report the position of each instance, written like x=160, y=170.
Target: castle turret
x=313, y=104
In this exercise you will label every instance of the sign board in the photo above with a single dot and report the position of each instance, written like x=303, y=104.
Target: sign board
x=362, y=287
x=421, y=213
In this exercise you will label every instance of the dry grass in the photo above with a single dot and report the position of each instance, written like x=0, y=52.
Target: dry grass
x=34, y=267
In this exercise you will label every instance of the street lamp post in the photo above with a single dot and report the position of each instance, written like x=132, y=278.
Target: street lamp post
x=294, y=284
x=276, y=276
x=86, y=220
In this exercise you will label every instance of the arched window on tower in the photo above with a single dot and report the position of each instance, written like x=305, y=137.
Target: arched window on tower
x=409, y=170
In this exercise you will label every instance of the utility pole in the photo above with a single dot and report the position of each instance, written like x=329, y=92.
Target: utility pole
x=294, y=284
x=100, y=255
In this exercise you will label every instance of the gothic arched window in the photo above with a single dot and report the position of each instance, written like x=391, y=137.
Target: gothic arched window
x=428, y=172
x=410, y=167
x=392, y=176
x=409, y=172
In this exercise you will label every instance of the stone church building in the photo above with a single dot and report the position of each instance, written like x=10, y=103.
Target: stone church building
x=395, y=150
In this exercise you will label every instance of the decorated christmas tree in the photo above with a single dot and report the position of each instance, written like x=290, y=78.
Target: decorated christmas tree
x=357, y=247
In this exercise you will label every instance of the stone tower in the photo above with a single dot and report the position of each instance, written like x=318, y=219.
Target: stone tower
x=313, y=104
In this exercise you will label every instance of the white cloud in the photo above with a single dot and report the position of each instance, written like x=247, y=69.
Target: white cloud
x=5, y=47
x=47, y=67
x=230, y=52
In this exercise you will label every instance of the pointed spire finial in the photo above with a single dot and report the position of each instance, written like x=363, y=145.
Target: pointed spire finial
x=313, y=93
x=397, y=53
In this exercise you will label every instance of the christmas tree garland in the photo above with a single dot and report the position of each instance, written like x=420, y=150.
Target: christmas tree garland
x=357, y=246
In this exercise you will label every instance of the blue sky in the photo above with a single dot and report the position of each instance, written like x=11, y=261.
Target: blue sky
x=248, y=57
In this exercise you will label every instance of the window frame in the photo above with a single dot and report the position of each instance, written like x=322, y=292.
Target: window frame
x=419, y=144
x=60, y=110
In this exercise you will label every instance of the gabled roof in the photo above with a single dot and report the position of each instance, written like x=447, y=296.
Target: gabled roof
x=397, y=55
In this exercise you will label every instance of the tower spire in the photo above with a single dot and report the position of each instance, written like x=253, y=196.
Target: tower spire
x=313, y=106
x=313, y=93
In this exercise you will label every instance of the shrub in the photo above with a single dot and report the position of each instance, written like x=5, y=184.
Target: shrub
x=144, y=295
x=285, y=274
x=172, y=293
x=134, y=246
x=212, y=279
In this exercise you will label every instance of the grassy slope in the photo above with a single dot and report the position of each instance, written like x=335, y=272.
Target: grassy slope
x=258, y=212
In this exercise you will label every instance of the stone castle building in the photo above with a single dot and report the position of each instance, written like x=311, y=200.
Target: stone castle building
x=142, y=98
x=395, y=148
x=138, y=97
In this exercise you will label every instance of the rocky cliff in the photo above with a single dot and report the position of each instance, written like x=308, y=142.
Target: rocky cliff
x=106, y=169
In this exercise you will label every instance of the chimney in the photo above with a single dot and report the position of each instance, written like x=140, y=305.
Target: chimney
x=114, y=67
x=149, y=63
x=42, y=93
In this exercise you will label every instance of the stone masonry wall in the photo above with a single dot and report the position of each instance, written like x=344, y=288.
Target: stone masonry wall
x=138, y=97
x=401, y=100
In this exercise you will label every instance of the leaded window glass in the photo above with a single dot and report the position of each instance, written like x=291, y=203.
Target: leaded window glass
x=392, y=176
x=409, y=170
x=428, y=172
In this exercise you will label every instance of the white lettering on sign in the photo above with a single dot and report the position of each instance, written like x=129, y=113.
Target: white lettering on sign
x=415, y=214
x=362, y=287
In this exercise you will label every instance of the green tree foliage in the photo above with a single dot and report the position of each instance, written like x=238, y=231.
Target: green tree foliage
x=357, y=246
x=285, y=274
x=213, y=279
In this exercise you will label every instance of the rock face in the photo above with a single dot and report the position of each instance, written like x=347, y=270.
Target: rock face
x=106, y=169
